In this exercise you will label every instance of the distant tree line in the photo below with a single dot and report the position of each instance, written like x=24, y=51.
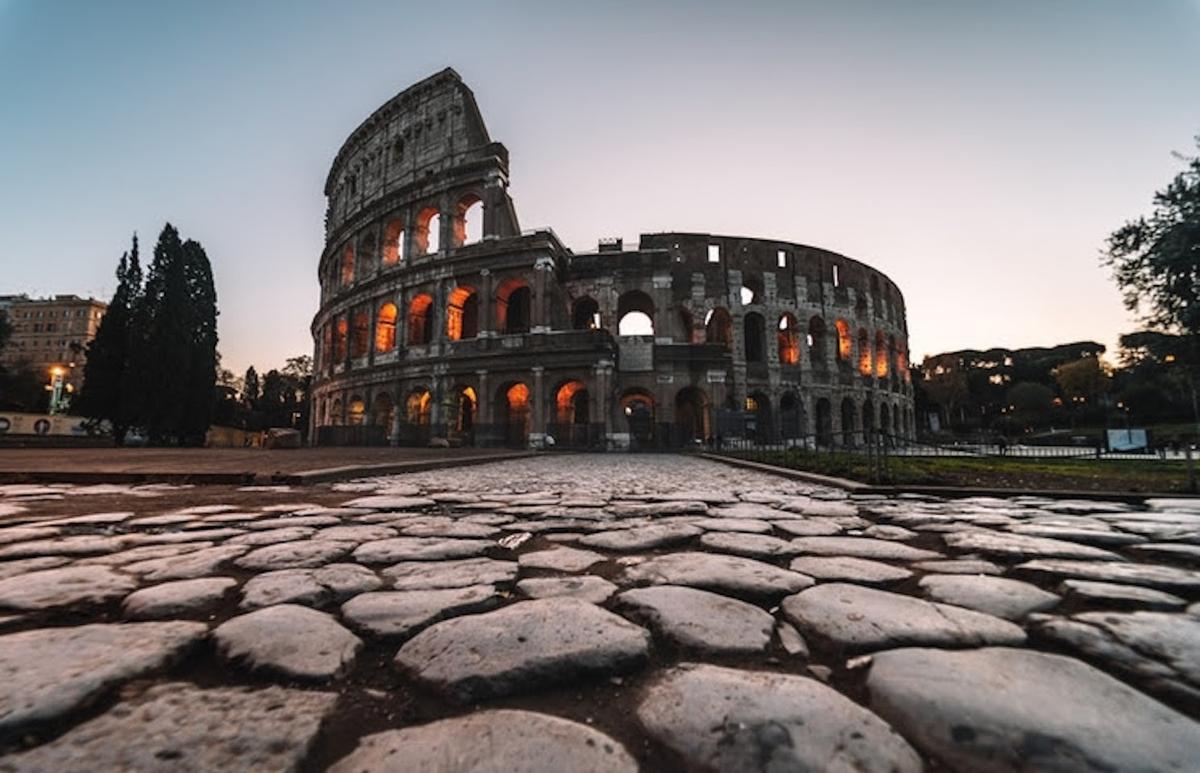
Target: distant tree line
x=153, y=363
x=280, y=398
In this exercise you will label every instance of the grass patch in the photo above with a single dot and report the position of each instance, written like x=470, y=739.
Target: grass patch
x=1139, y=476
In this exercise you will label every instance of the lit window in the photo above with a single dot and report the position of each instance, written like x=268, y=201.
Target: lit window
x=837, y=277
x=714, y=253
x=781, y=259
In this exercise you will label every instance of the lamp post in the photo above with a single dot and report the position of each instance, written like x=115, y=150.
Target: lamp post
x=57, y=389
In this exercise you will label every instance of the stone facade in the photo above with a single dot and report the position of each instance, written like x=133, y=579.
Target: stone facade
x=440, y=318
x=51, y=333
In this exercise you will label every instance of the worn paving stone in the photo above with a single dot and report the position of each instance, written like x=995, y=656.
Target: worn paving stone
x=332, y=583
x=1101, y=537
x=400, y=614
x=295, y=521
x=78, y=545
x=1166, y=578
x=26, y=565
x=725, y=719
x=294, y=555
x=179, y=726
x=1185, y=553
x=25, y=533
x=1025, y=546
x=641, y=537
x=860, y=570
x=196, y=563
x=397, y=549
x=1158, y=648
x=143, y=553
x=273, y=536
x=288, y=640
x=958, y=566
x=453, y=530
x=999, y=596
x=594, y=590
x=889, y=532
x=864, y=619
x=700, y=620
x=733, y=575
x=561, y=559
x=48, y=673
x=390, y=502
x=751, y=545
x=821, y=507
x=862, y=547
x=1004, y=709
x=357, y=534
x=181, y=598
x=460, y=573
x=749, y=525
x=64, y=586
x=808, y=528
x=529, y=645
x=1115, y=594
x=499, y=740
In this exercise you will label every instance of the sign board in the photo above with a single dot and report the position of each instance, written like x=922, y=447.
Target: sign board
x=1127, y=440
x=41, y=424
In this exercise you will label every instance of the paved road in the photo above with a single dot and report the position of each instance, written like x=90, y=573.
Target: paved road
x=593, y=613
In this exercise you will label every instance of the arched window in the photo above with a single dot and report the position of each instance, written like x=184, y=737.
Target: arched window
x=685, y=326
x=462, y=314
x=864, y=352
x=585, y=314
x=755, y=334
x=341, y=339
x=816, y=341
x=845, y=342
x=514, y=413
x=383, y=410
x=393, y=242
x=385, y=328
x=327, y=354
x=571, y=403
x=427, y=239
x=788, y=339
x=358, y=411
x=416, y=408
x=849, y=423
x=468, y=220
x=420, y=320
x=360, y=339
x=464, y=414
x=881, y=355
x=635, y=314
x=824, y=422
x=348, y=265
x=335, y=416
x=791, y=418
x=751, y=290
x=692, y=415
x=513, y=305
x=718, y=327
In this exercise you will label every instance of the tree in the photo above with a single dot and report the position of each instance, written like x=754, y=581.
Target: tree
x=1031, y=402
x=250, y=390
x=1084, y=378
x=1156, y=263
x=105, y=379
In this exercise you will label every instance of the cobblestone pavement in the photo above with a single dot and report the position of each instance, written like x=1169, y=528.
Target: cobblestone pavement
x=579, y=613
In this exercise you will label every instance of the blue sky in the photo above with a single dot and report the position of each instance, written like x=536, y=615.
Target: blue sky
x=977, y=152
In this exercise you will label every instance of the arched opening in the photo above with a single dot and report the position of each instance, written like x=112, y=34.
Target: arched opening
x=462, y=314
x=693, y=420
x=637, y=406
x=465, y=402
x=383, y=411
x=684, y=319
x=635, y=314
x=868, y=420
x=824, y=422
x=718, y=327
x=393, y=242
x=758, y=417
x=468, y=220
x=845, y=342
x=348, y=265
x=894, y=354
x=427, y=239
x=864, y=353
x=585, y=314
x=788, y=339
x=751, y=290
x=360, y=340
x=896, y=423
x=416, y=408
x=420, y=320
x=849, y=423
x=358, y=412
x=571, y=403
x=902, y=364
x=335, y=416
x=385, y=328
x=513, y=303
x=341, y=340
x=513, y=412
x=881, y=355
x=791, y=423
x=327, y=354
x=885, y=421
x=816, y=341
x=755, y=335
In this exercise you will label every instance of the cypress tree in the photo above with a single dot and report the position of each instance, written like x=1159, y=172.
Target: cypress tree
x=201, y=294
x=108, y=353
x=250, y=390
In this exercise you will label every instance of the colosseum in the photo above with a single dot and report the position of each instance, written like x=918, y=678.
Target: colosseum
x=441, y=321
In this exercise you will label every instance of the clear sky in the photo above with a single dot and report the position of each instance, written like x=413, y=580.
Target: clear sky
x=978, y=152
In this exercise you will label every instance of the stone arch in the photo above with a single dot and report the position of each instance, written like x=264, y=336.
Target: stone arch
x=817, y=337
x=347, y=266
x=638, y=407
x=824, y=422
x=360, y=340
x=462, y=313
x=635, y=314
x=791, y=416
x=754, y=335
x=468, y=220
x=885, y=420
x=514, y=302
x=718, y=327
x=881, y=355
x=341, y=339
x=385, y=327
x=845, y=344
x=393, y=242
x=684, y=319
x=466, y=407
x=571, y=403
x=868, y=420
x=335, y=417
x=751, y=291
x=512, y=412
x=427, y=231
x=758, y=417
x=383, y=410
x=585, y=314
x=849, y=421
x=417, y=407
x=356, y=411
x=864, y=352
x=420, y=320
x=693, y=415
x=788, y=339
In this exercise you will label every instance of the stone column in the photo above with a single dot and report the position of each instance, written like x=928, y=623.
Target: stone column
x=537, y=402
x=539, y=311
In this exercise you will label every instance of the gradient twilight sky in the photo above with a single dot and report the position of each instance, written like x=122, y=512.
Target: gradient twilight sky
x=977, y=152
